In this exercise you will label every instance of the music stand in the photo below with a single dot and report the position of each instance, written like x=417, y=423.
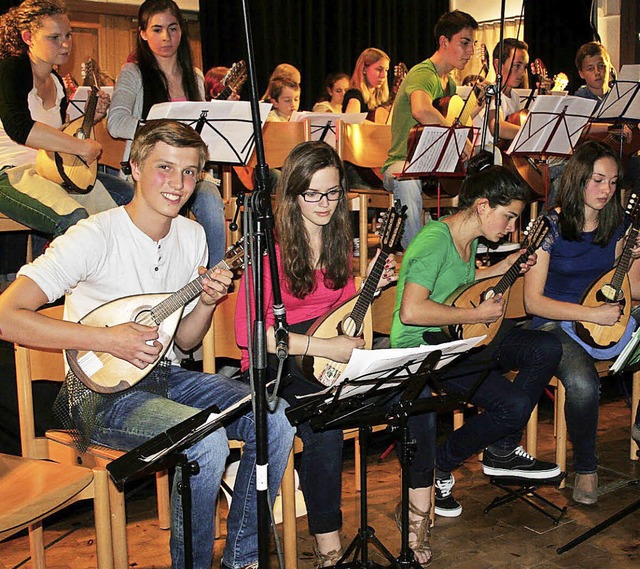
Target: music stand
x=552, y=128
x=322, y=126
x=78, y=102
x=386, y=393
x=166, y=450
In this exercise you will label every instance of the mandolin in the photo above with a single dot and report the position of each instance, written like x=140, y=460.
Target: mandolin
x=70, y=170
x=382, y=114
x=233, y=80
x=105, y=373
x=612, y=287
x=353, y=317
x=454, y=108
x=470, y=295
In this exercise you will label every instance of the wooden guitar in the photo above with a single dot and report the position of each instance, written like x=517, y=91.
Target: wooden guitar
x=612, y=287
x=105, y=373
x=382, y=114
x=353, y=317
x=457, y=110
x=70, y=170
x=470, y=295
x=233, y=80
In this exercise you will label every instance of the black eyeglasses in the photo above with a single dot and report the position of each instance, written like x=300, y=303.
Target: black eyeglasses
x=313, y=196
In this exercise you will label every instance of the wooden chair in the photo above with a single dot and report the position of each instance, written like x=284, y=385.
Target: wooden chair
x=57, y=445
x=32, y=489
x=112, y=148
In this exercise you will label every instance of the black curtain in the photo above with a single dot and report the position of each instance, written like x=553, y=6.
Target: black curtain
x=318, y=37
x=554, y=31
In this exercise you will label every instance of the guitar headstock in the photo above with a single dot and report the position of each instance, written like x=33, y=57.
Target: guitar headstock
x=483, y=53
x=560, y=81
x=539, y=69
x=633, y=210
x=535, y=232
x=234, y=256
x=236, y=76
x=392, y=227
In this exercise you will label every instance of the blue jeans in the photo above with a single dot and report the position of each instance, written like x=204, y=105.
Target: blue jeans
x=409, y=192
x=141, y=415
x=208, y=208
x=507, y=404
x=120, y=190
x=578, y=374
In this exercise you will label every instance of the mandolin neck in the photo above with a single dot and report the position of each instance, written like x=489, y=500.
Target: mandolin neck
x=368, y=290
x=512, y=273
x=89, y=114
x=185, y=295
x=624, y=262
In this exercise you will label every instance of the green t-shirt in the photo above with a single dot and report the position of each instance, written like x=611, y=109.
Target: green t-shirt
x=433, y=262
x=421, y=77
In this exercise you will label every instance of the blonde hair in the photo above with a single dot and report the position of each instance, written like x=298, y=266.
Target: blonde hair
x=282, y=71
x=26, y=16
x=373, y=97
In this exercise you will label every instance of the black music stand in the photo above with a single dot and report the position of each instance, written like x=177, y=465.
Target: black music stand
x=384, y=396
x=166, y=450
x=552, y=128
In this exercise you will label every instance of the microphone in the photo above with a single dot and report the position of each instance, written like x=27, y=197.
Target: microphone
x=281, y=332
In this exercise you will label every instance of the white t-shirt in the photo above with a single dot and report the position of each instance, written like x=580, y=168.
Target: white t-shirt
x=508, y=105
x=106, y=257
x=14, y=154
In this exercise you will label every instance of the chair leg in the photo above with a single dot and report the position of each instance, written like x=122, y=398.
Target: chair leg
x=164, y=500
x=363, y=219
x=36, y=545
x=102, y=516
x=118, y=527
x=635, y=400
x=561, y=431
x=289, y=523
x=532, y=433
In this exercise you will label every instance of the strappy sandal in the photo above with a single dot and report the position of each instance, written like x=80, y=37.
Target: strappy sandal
x=328, y=559
x=420, y=528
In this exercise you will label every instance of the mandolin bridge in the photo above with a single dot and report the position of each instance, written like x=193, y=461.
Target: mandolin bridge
x=609, y=293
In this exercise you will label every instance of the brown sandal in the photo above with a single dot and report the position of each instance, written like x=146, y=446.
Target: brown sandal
x=328, y=559
x=420, y=528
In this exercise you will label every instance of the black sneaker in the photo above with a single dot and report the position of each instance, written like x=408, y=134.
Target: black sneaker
x=518, y=464
x=446, y=505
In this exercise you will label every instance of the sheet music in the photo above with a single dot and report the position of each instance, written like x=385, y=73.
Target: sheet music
x=323, y=125
x=629, y=355
x=622, y=101
x=225, y=126
x=437, y=150
x=553, y=126
x=378, y=364
x=79, y=100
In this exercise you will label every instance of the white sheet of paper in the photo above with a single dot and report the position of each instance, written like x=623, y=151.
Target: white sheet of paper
x=430, y=147
x=546, y=118
x=227, y=129
x=622, y=100
x=323, y=125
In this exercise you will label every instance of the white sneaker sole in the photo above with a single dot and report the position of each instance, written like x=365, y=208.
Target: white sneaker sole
x=448, y=513
x=529, y=474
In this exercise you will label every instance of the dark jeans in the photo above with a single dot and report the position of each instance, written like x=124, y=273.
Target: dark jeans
x=507, y=404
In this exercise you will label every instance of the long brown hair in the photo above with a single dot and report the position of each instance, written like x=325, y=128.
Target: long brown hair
x=304, y=161
x=373, y=97
x=154, y=82
x=26, y=16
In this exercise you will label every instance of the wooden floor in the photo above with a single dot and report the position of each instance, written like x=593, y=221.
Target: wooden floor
x=512, y=536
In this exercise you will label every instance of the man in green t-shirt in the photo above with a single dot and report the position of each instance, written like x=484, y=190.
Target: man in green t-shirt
x=425, y=82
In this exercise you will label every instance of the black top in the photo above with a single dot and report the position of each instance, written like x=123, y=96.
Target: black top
x=354, y=94
x=16, y=82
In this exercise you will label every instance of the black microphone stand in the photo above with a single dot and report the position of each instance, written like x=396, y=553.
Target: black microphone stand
x=260, y=202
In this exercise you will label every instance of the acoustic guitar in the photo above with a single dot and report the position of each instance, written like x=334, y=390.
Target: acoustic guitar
x=69, y=170
x=539, y=71
x=382, y=114
x=457, y=110
x=103, y=372
x=612, y=287
x=233, y=80
x=470, y=295
x=353, y=317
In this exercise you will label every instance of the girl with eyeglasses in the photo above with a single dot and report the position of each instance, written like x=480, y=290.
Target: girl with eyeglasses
x=314, y=257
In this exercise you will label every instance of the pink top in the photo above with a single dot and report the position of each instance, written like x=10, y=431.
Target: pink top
x=314, y=305
x=178, y=99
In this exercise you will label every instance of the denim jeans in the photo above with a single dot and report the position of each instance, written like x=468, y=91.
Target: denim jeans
x=507, y=404
x=409, y=192
x=119, y=189
x=208, y=208
x=578, y=374
x=140, y=416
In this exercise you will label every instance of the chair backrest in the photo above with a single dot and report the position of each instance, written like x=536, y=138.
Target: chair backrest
x=365, y=145
x=112, y=148
x=34, y=364
x=515, y=304
x=382, y=310
x=220, y=339
x=280, y=138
